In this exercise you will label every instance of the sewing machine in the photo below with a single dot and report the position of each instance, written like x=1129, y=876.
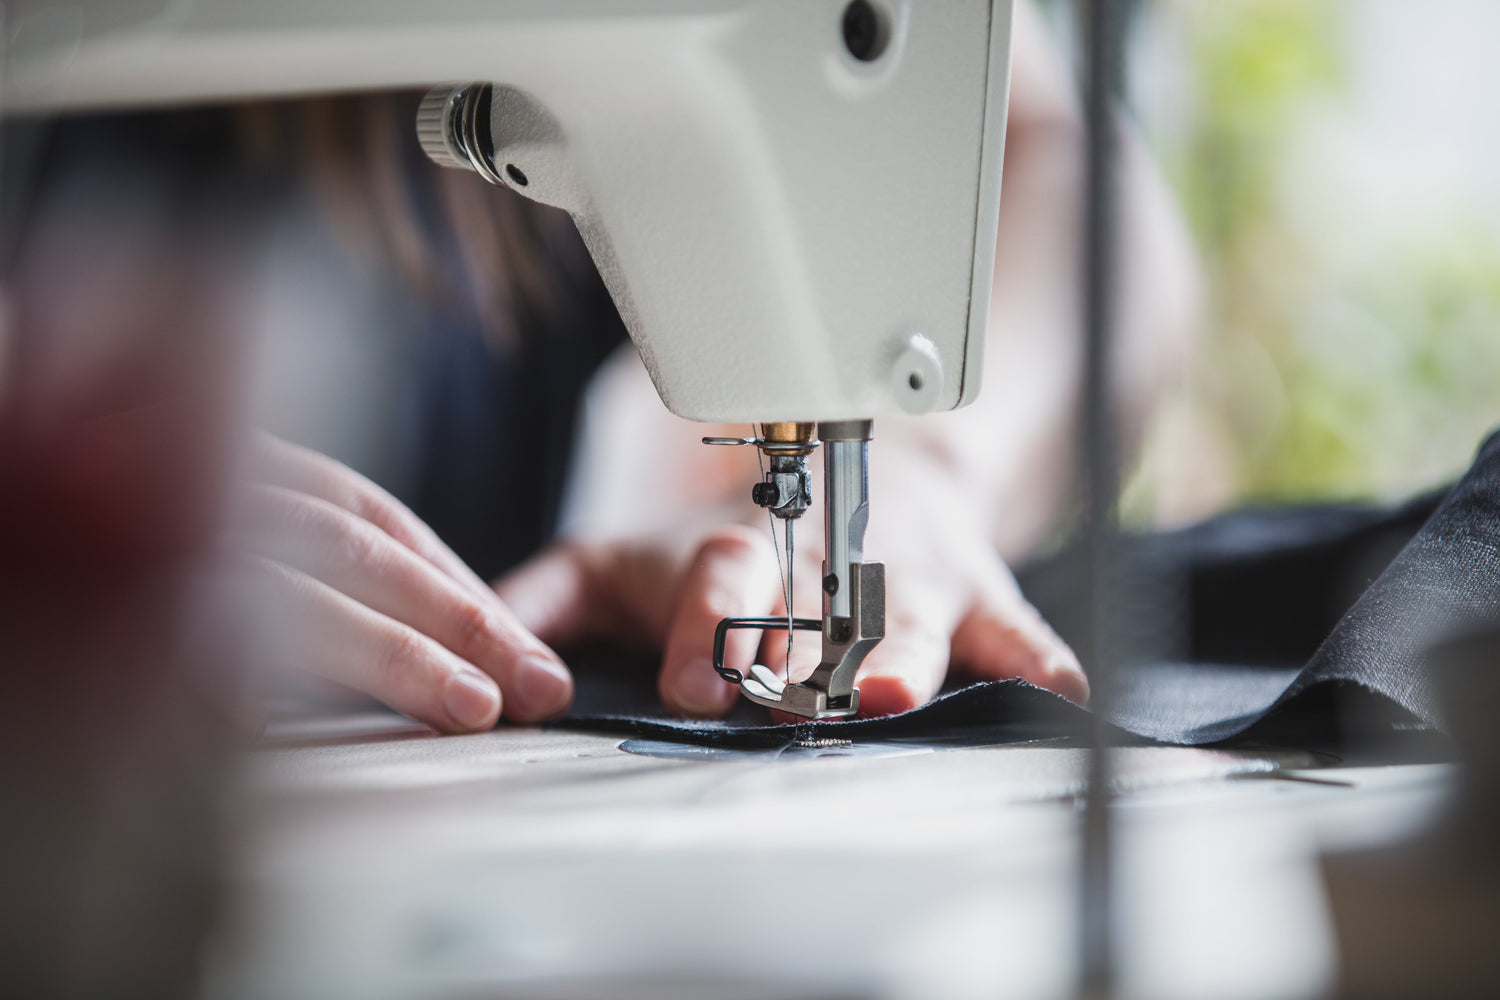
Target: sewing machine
x=792, y=202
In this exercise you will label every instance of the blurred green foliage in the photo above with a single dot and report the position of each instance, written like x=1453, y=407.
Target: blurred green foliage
x=1252, y=65
x=1325, y=372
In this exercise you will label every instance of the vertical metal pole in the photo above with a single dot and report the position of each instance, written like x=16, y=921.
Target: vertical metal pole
x=1099, y=479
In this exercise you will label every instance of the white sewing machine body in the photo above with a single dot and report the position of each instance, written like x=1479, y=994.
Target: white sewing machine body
x=791, y=232
x=792, y=202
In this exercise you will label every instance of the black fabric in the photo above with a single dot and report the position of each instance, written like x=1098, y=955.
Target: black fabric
x=1260, y=591
x=1258, y=586
x=1446, y=581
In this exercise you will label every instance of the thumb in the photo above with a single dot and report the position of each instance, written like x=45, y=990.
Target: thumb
x=1003, y=636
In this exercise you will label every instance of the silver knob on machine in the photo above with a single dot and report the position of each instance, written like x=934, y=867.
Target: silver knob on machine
x=453, y=126
x=432, y=126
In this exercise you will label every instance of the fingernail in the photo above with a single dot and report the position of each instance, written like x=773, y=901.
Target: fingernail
x=543, y=688
x=1065, y=675
x=700, y=691
x=886, y=696
x=471, y=702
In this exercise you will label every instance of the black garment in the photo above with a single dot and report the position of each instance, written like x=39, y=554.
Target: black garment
x=494, y=430
x=492, y=427
x=1248, y=657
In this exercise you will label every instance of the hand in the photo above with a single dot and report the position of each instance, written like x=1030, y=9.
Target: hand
x=358, y=591
x=949, y=600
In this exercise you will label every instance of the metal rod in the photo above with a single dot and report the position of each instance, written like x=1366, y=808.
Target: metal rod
x=846, y=507
x=1099, y=479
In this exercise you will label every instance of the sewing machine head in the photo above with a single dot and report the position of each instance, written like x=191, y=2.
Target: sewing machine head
x=792, y=202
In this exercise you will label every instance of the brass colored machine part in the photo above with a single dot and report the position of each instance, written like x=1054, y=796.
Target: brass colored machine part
x=788, y=433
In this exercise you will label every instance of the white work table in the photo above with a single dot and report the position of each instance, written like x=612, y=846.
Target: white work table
x=377, y=860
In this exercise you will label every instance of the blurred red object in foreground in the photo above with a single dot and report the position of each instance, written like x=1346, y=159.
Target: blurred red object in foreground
x=117, y=389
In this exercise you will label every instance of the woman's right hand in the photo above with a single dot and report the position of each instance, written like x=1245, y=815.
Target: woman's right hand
x=356, y=590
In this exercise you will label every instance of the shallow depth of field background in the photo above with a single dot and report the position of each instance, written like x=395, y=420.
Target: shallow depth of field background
x=1338, y=162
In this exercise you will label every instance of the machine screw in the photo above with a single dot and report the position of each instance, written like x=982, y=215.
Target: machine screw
x=765, y=494
x=831, y=584
x=862, y=31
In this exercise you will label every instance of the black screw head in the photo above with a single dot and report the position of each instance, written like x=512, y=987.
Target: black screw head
x=765, y=494
x=831, y=584
x=862, y=31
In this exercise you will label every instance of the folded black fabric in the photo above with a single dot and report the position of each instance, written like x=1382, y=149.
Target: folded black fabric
x=1184, y=704
x=1278, y=625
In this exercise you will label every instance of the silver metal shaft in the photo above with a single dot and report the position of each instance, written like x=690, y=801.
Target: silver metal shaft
x=846, y=511
x=853, y=590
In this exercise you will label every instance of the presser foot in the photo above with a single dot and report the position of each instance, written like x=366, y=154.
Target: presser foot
x=765, y=688
x=853, y=590
x=829, y=691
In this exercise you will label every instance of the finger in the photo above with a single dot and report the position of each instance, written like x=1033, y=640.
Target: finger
x=1001, y=643
x=908, y=666
x=305, y=471
x=1003, y=636
x=733, y=574
x=335, y=637
x=574, y=593
x=807, y=647
x=553, y=595
x=906, y=669
x=361, y=561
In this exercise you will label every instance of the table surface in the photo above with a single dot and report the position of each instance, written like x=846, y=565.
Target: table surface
x=378, y=860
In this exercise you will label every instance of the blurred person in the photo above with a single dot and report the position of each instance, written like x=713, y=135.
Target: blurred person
x=121, y=344
x=521, y=353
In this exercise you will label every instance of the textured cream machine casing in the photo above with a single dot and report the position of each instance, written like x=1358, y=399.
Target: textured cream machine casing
x=792, y=202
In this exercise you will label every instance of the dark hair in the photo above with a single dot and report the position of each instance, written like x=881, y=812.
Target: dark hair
x=463, y=244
